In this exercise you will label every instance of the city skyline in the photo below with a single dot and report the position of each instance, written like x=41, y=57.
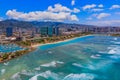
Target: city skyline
x=95, y=12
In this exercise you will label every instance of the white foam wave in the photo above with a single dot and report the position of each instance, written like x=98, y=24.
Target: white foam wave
x=47, y=74
x=38, y=68
x=115, y=38
x=3, y=71
x=16, y=76
x=78, y=65
x=93, y=66
x=59, y=62
x=52, y=64
x=28, y=73
x=82, y=76
x=50, y=52
x=95, y=56
x=115, y=50
x=6, y=63
x=88, y=66
x=103, y=52
x=115, y=42
x=112, y=51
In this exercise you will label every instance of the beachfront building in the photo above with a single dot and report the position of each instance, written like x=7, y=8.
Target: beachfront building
x=9, y=31
x=56, y=31
x=46, y=31
x=43, y=31
x=49, y=31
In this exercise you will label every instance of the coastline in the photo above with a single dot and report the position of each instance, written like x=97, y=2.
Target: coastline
x=38, y=45
x=9, y=56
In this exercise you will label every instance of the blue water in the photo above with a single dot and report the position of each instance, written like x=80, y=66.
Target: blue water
x=5, y=48
x=86, y=58
x=44, y=47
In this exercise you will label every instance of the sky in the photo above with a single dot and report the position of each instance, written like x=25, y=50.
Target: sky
x=91, y=12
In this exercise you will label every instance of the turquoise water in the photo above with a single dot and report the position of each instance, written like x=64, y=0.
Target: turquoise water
x=85, y=58
x=5, y=48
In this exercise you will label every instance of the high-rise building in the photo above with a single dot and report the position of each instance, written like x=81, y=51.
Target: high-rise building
x=56, y=31
x=46, y=31
x=43, y=31
x=9, y=31
x=50, y=31
x=32, y=34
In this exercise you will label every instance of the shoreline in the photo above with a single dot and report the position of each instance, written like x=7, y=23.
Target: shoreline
x=9, y=56
x=38, y=45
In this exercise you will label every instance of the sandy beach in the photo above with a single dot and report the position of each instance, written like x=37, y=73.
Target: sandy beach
x=37, y=45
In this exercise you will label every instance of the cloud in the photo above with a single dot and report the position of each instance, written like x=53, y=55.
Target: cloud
x=89, y=18
x=1, y=18
x=98, y=16
x=73, y=2
x=75, y=10
x=56, y=13
x=102, y=15
x=89, y=6
x=97, y=10
x=104, y=23
x=60, y=8
x=93, y=7
x=41, y=16
x=100, y=6
x=118, y=13
x=115, y=7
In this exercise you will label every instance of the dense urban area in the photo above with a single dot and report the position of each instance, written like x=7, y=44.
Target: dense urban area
x=13, y=30
x=29, y=34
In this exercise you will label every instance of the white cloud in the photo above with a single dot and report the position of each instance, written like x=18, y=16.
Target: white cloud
x=117, y=13
x=41, y=16
x=73, y=2
x=100, y=6
x=102, y=15
x=1, y=18
x=115, y=7
x=93, y=7
x=75, y=10
x=97, y=10
x=89, y=6
x=89, y=18
x=104, y=23
x=56, y=13
x=60, y=8
x=98, y=16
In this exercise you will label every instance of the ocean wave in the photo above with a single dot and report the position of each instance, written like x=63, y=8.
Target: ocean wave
x=3, y=71
x=47, y=74
x=82, y=76
x=37, y=68
x=93, y=66
x=50, y=52
x=27, y=73
x=52, y=64
x=88, y=66
x=115, y=42
x=76, y=64
x=115, y=38
x=16, y=76
x=6, y=63
x=114, y=50
x=95, y=56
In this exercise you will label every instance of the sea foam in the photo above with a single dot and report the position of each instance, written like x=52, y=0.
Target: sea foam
x=47, y=74
x=16, y=76
x=52, y=64
x=3, y=71
x=82, y=76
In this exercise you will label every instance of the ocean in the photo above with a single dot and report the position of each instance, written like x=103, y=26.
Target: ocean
x=92, y=57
